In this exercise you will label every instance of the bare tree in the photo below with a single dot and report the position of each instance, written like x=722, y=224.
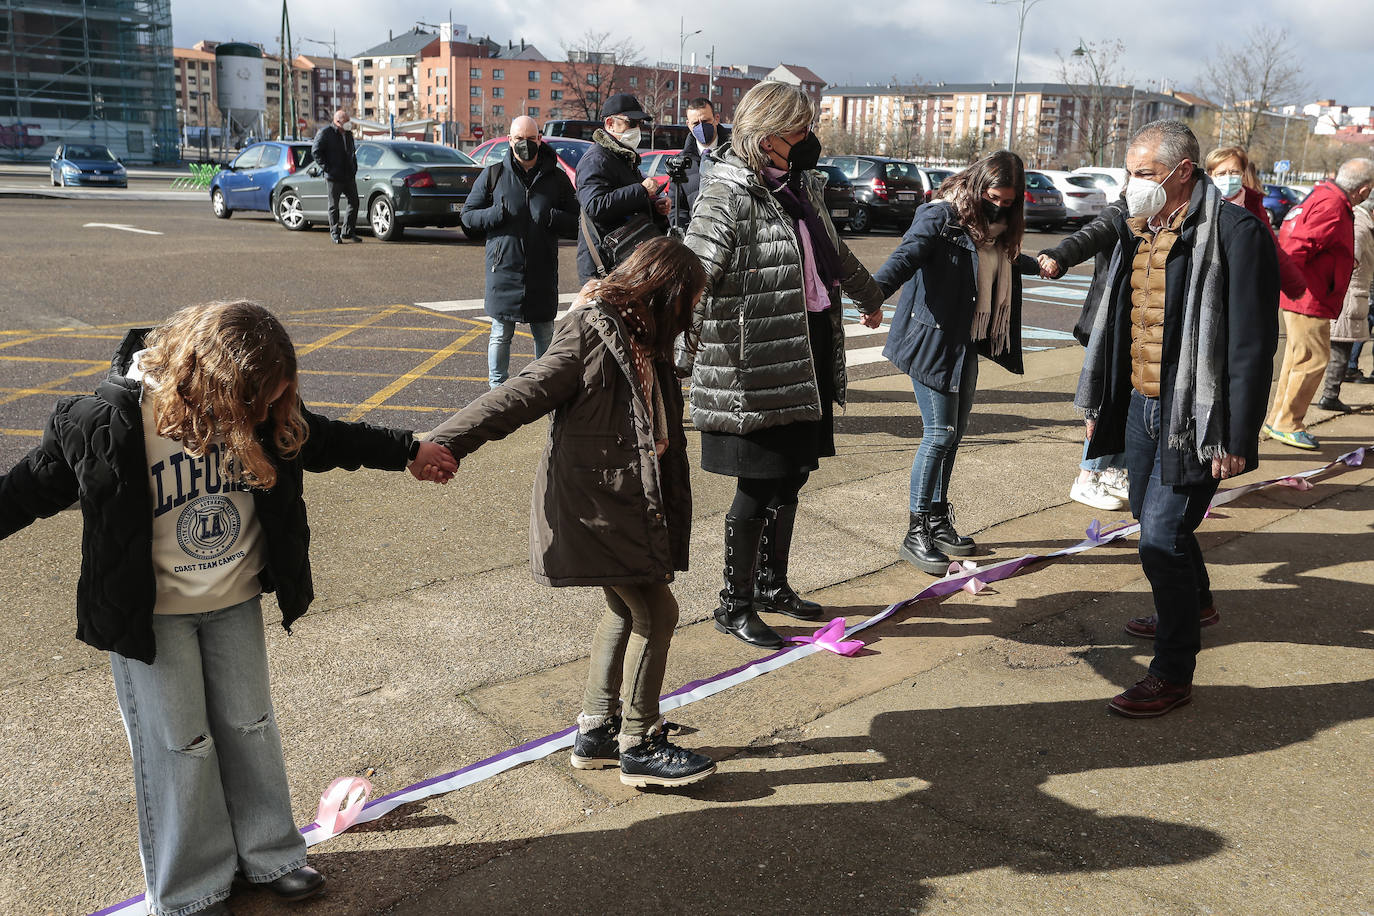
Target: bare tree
x=654, y=95
x=1101, y=105
x=1249, y=79
x=596, y=70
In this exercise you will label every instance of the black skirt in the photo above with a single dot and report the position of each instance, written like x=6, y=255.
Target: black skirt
x=789, y=449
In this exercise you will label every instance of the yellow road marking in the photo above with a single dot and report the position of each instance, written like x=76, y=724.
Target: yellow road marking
x=434, y=378
x=21, y=432
x=24, y=340
x=328, y=339
x=103, y=363
x=416, y=407
x=50, y=386
x=25, y=392
x=413, y=375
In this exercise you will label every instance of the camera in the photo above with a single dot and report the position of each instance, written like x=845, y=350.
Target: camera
x=676, y=167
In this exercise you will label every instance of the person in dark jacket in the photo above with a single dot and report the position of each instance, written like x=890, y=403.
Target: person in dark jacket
x=959, y=268
x=333, y=151
x=187, y=463
x=610, y=188
x=612, y=501
x=1319, y=237
x=1101, y=482
x=1177, y=372
x=772, y=364
x=523, y=203
x=706, y=134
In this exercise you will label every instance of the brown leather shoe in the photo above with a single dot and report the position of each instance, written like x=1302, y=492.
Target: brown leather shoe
x=1144, y=627
x=1150, y=697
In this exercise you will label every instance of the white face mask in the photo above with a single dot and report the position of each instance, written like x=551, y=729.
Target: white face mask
x=1145, y=197
x=1228, y=185
x=631, y=137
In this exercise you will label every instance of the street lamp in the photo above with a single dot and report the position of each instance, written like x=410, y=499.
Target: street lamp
x=681, y=45
x=333, y=46
x=1026, y=6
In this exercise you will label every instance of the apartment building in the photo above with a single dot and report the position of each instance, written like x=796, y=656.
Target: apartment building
x=385, y=77
x=331, y=87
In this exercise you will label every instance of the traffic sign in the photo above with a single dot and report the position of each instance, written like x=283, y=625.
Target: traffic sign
x=477, y=133
x=1283, y=165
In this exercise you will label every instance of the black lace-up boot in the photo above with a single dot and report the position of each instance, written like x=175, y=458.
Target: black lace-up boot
x=771, y=590
x=919, y=548
x=596, y=748
x=655, y=761
x=942, y=531
x=736, y=614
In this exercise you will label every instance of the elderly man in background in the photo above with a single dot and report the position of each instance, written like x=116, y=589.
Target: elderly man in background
x=334, y=152
x=523, y=203
x=1319, y=238
x=1176, y=374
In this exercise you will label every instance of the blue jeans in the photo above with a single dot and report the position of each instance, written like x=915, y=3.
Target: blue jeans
x=498, y=348
x=1102, y=462
x=208, y=770
x=944, y=417
x=1169, y=551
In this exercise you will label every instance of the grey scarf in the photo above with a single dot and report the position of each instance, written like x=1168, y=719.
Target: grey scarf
x=1198, y=412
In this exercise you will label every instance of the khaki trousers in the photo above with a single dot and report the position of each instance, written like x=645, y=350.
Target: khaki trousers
x=1304, y=363
x=630, y=654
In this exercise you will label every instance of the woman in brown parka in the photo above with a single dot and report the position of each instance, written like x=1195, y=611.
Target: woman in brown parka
x=612, y=499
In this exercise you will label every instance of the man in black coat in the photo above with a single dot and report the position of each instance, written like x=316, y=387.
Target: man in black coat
x=610, y=187
x=334, y=153
x=707, y=134
x=1177, y=374
x=523, y=203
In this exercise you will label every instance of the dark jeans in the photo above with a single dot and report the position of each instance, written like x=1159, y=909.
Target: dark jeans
x=1169, y=551
x=1335, y=369
x=944, y=417
x=348, y=188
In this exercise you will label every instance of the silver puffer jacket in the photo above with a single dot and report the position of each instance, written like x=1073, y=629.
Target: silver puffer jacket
x=755, y=368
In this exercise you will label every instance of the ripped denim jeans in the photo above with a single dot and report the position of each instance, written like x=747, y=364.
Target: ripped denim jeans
x=944, y=417
x=209, y=776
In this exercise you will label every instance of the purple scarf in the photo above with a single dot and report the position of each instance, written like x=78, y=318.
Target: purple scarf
x=798, y=206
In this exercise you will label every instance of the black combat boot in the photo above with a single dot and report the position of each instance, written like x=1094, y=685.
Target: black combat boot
x=919, y=548
x=771, y=590
x=942, y=532
x=598, y=747
x=655, y=761
x=736, y=614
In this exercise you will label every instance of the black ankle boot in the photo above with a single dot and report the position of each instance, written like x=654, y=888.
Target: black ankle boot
x=919, y=548
x=736, y=614
x=658, y=762
x=771, y=589
x=599, y=747
x=942, y=531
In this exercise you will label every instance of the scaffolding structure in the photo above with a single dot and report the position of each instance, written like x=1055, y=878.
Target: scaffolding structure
x=90, y=71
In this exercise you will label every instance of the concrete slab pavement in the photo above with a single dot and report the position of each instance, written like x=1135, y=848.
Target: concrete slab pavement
x=913, y=776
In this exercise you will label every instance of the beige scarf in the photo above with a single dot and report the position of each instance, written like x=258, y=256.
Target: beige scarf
x=992, y=310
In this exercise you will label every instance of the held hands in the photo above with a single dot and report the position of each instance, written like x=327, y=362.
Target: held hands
x=873, y=319
x=1049, y=268
x=434, y=463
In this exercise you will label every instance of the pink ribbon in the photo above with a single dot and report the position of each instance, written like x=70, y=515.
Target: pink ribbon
x=829, y=636
x=1296, y=483
x=341, y=804
x=973, y=585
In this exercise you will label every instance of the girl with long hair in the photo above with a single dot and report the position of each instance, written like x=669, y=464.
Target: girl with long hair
x=959, y=268
x=612, y=500
x=187, y=462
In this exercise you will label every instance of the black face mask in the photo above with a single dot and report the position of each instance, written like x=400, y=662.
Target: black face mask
x=992, y=213
x=525, y=150
x=805, y=154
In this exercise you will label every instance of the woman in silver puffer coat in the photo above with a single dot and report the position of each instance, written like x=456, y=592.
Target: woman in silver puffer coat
x=771, y=363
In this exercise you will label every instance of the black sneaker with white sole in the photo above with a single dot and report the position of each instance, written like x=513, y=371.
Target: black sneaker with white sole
x=657, y=762
x=599, y=748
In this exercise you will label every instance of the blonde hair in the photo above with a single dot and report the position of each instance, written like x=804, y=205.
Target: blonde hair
x=769, y=109
x=210, y=370
x=1217, y=156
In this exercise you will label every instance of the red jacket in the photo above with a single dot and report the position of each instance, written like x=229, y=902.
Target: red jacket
x=1319, y=238
x=1290, y=279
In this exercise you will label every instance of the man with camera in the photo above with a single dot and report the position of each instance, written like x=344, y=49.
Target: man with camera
x=610, y=188
x=707, y=135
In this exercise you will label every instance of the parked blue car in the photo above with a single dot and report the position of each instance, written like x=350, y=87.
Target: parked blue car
x=246, y=183
x=1278, y=200
x=87, y=164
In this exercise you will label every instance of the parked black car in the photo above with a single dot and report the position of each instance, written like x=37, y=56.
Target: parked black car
x=401, y=183
x=1044, y=203
x=887, y=191
x=839, y=197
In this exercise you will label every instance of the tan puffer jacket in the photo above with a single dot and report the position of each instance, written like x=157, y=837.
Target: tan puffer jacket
x=1147, y=304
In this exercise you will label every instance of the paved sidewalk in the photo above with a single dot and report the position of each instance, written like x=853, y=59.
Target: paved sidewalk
x=964, y=764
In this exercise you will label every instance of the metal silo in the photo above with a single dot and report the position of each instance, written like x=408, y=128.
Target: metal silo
x=242, y=86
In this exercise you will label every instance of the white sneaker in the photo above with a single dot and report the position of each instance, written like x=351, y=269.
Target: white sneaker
x=1091, y=493
x=1115, y=482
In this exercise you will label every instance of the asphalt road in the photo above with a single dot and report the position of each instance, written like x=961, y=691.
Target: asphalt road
x=388, y=332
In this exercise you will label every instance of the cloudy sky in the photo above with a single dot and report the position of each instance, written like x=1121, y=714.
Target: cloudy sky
x=854, y=43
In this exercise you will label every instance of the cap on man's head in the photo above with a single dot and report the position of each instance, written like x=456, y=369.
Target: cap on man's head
x=624, y=105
